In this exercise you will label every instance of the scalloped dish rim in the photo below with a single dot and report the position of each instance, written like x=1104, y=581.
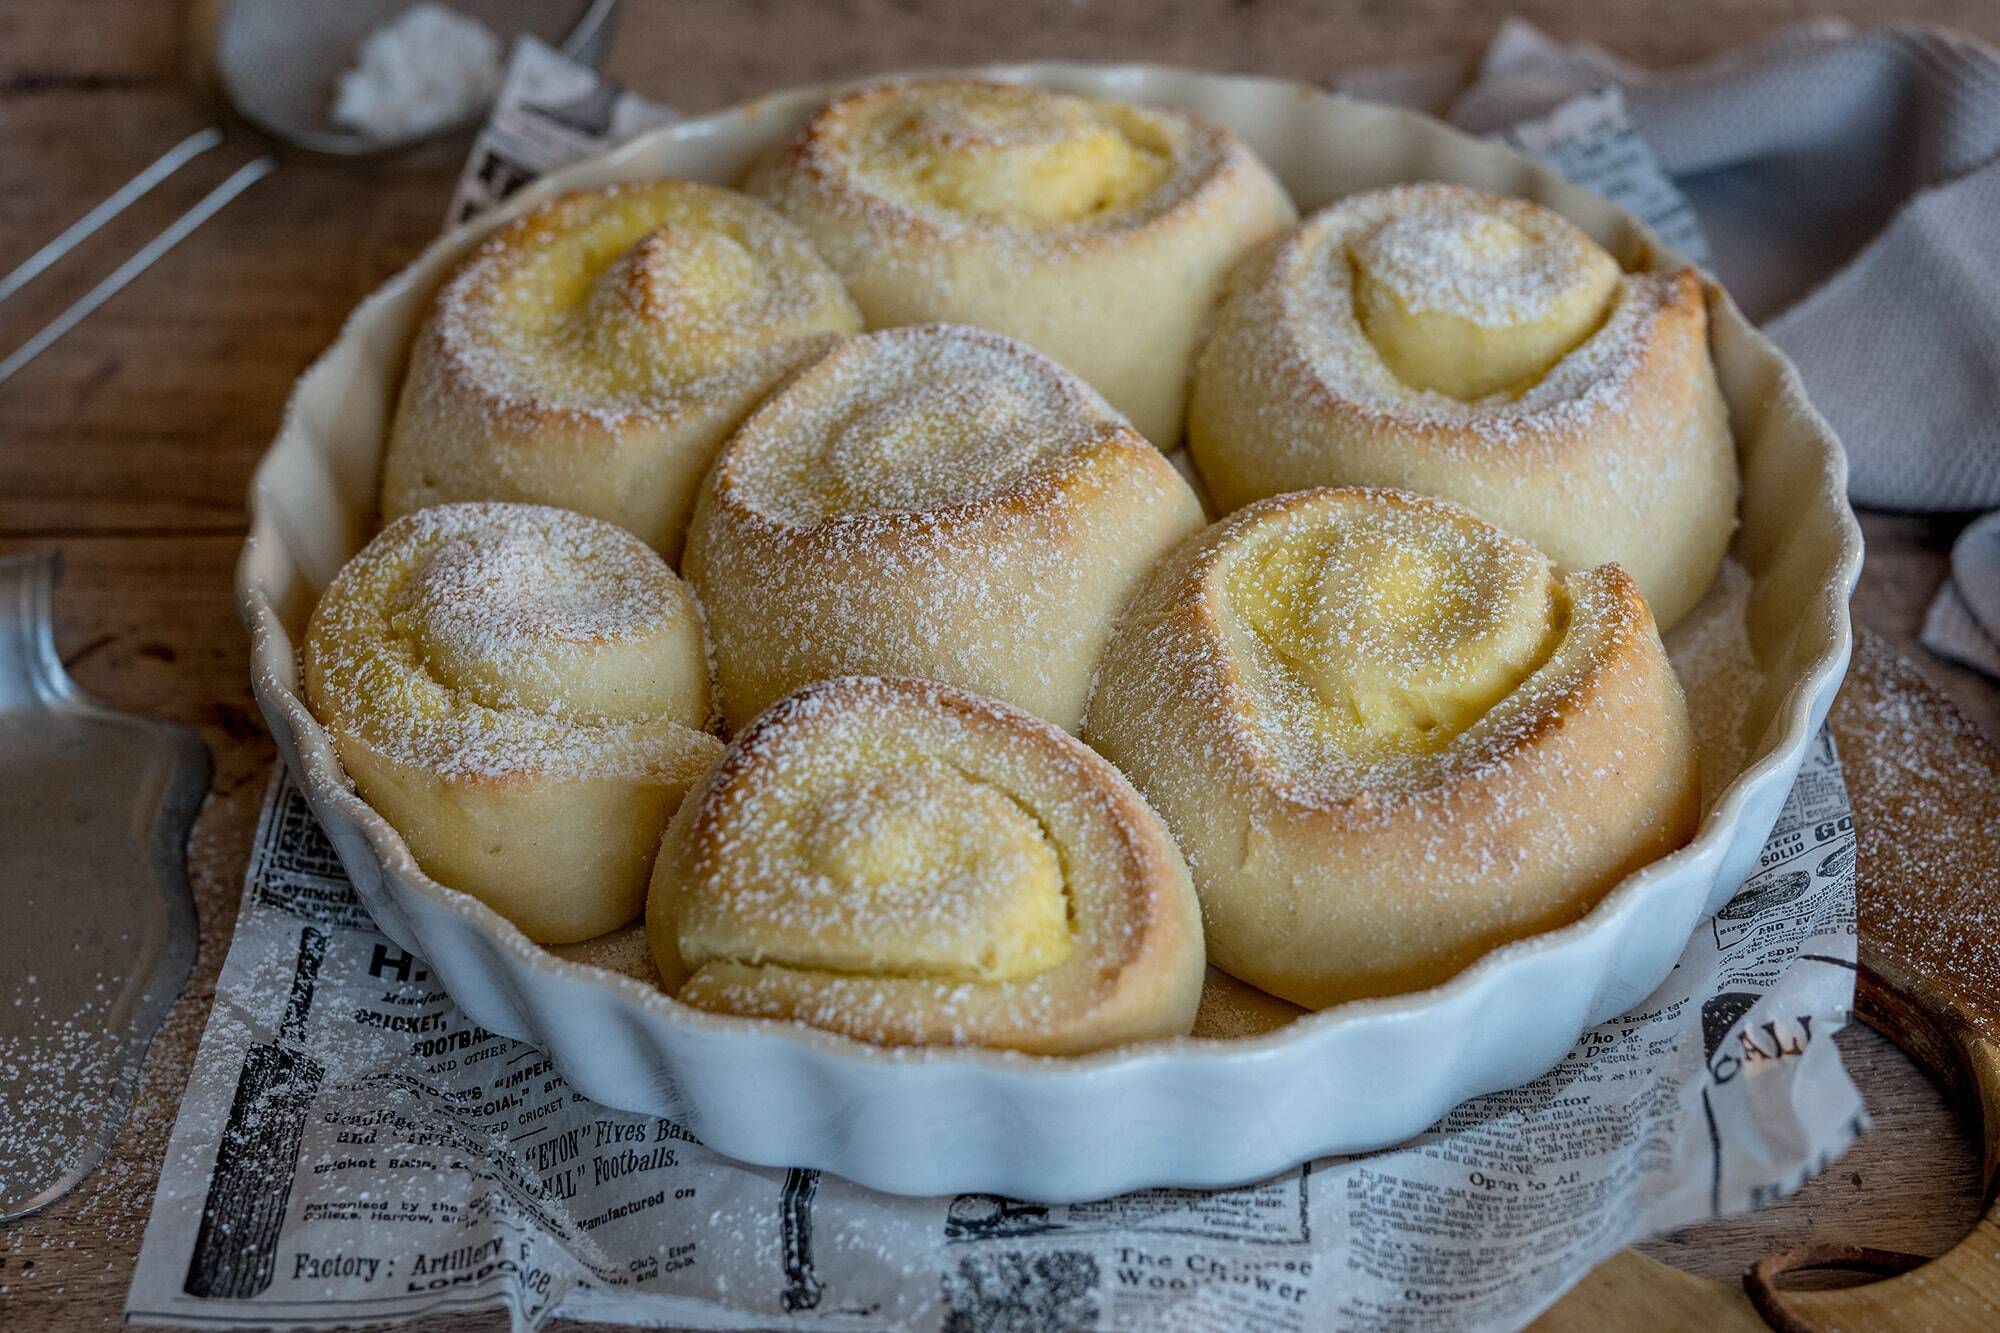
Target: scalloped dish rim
x=259, y=590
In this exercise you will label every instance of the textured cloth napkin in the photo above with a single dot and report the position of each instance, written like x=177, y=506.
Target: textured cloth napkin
x=1848, y=183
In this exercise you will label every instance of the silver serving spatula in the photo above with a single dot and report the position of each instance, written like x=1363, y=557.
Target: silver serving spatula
x=97, y=928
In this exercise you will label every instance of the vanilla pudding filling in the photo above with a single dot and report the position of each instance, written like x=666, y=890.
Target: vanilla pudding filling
x=636, y=294
x=1016, y=158
x=1472, y=297
x=905, y=866
x=906, y=862
x=1376, y=636
x=1395, y=645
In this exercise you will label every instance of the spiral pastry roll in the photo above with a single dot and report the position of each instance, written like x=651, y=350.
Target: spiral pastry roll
x=932, y=501
x=521, y=692
x=910, y=864
x=595, y=352
x=1390, y=737
x=1096, y=232
x=1485, y=350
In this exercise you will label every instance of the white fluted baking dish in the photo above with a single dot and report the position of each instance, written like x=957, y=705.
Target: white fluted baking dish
x=1193, y=1111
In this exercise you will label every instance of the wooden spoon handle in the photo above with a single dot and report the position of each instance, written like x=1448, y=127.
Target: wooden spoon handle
x=1925, y=786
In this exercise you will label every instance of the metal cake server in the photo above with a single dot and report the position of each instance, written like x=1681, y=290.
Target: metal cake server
x=97, y=927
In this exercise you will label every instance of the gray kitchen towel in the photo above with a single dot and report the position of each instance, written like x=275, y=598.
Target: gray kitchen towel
x=1848, y=183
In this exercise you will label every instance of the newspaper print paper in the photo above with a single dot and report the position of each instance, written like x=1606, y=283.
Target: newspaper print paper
x=352, y=1149
x=1590, y=139
x=550, y=112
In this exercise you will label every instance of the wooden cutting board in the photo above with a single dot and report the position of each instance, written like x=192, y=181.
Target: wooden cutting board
x=1926, y=791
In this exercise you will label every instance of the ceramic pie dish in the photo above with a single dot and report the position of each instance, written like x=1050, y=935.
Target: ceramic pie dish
x=1195, y=1111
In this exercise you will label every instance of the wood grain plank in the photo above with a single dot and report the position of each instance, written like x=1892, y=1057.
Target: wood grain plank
x=143, y=425
x=699, y=54
x=85, y=44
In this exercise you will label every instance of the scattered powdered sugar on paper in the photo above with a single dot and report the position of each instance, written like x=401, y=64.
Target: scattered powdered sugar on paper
x=479, y=1147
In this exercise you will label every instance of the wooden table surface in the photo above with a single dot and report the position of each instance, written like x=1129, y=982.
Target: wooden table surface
x=129, y=444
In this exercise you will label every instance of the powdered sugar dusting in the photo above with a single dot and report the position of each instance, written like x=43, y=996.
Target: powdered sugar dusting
x=1355, y=834
x=1497, y=628
x=933, y=501
x=1493, y=261
x=635, y=301
x=489, y=640
x=764, y=911
x=914, y=420
x=1312, y=311
x=1292, y=364
x=1925, y=782
x=1386, y=628
x=1028, y=167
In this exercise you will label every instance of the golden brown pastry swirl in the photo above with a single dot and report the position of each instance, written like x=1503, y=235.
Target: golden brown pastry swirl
x=933, y=501
x=1466, y=345
x=1390, y=737
x=593, y=353
x=1096, y=232
x=906, y=863
x=521, y=691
